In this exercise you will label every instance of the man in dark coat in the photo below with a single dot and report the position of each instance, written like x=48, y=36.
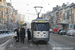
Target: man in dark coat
x=22, y=34
x=29, y=35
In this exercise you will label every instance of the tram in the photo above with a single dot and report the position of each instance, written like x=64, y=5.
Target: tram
x=40, y=30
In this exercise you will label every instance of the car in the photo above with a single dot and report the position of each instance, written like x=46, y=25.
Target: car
x=55, y=30
x=74, y=33
x=59, y=31
x=71, y=32
x=51, y=31
x=62, y=32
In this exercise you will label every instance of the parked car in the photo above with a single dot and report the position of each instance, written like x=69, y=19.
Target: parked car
x=71, y=32
x=51, y=31
x=59, y=31
x=62, y=32
x=74, y=33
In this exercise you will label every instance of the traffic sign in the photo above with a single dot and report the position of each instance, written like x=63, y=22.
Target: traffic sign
x=21, y=22
x=70, y=26
x=1, y=8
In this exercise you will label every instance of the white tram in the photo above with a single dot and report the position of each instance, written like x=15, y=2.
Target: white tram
x=40, y=30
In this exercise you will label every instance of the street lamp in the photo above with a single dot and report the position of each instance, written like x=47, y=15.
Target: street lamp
x=39, y=8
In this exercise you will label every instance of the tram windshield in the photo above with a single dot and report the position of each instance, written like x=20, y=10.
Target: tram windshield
x=42, y=26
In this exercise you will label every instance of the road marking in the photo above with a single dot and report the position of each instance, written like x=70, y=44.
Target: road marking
x=69, y=36
x=4, y=44
x=70, y=48
x=60, y=48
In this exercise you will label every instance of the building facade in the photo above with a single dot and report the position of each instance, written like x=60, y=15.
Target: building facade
x=62, y=17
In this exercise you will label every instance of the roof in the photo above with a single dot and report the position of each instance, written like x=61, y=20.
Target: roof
x=40, y=20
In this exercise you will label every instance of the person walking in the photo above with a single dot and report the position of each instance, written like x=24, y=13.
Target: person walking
x=29, y=34
x=22, y=34
x=17, y=32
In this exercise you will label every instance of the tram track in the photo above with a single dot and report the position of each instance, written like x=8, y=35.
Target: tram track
x=43, y=46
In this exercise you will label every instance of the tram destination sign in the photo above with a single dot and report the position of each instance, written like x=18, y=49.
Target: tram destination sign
x=41, y=21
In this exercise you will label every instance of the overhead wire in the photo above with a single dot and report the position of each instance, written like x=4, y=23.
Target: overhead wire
x=27, y=5
x=41, y=2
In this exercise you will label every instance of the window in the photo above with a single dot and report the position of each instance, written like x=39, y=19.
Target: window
x=33, y=26
x=67, y=15
x=64, y=16
x=42, y=26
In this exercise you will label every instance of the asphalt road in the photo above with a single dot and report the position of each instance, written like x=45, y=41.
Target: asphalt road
x=62, y=42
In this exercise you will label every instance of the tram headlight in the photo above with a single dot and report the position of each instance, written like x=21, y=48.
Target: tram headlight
x=38, y=32
x=44, y=33
x=41, y=34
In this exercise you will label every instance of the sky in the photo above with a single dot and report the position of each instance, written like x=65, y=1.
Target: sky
x=26, y=7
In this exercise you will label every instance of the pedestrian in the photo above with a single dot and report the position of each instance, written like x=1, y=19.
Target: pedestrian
x=15, y=34
x=29, y=34
x=17, y=30
x=22, y=34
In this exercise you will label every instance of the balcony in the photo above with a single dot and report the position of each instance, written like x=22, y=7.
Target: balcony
x=66, y=21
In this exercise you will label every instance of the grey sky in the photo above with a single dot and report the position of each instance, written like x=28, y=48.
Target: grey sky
x=27, y=6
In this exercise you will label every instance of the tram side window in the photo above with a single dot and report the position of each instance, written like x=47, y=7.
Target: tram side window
x=33, y=26
x=48, y=26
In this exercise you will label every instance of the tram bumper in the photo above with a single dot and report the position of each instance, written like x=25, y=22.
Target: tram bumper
x=40, y=40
